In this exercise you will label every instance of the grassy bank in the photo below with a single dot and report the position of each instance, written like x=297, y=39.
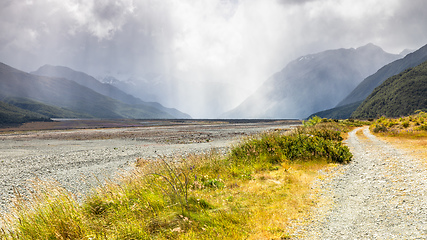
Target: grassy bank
x=408, y=132
x=256, y=191
x=403, y=127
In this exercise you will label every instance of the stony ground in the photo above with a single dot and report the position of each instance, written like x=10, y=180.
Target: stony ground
x=381, y=194
x=82, y=158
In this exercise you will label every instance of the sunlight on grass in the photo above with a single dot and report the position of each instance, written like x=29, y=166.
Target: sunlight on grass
x=254, y=192
x=409, y=133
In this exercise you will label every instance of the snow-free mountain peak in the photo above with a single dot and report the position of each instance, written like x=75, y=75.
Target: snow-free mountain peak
x=104, y=89
x=312, y=83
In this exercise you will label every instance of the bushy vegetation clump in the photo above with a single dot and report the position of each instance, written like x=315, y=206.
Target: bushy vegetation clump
x=252, y=192
x=342, y=124
x=304, y=144
x=416, y=123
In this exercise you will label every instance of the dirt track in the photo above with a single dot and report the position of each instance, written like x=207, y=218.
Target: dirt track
x=381, y=194
x=80, y=158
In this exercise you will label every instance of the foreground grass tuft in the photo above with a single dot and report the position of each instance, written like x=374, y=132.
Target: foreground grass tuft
x=254, y=192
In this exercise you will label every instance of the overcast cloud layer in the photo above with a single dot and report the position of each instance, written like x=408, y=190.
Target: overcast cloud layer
x=236, y=42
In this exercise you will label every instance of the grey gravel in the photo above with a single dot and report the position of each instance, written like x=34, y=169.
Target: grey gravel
x=82, y=159
x=381, y=194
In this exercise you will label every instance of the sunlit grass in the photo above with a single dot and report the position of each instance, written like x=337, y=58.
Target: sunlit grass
x=254, y=192
x=409, y=133
x=413, y=126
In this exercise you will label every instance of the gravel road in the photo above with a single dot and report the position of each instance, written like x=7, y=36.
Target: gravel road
x=381, y=194
x=82, y=158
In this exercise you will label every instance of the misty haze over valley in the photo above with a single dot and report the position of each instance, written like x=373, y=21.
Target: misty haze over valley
x=198, y=59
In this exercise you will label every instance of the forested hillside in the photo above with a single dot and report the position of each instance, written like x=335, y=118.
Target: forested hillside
x=399, y=95
x=10, y=114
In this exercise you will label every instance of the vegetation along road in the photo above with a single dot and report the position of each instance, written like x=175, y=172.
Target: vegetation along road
x=381, y=194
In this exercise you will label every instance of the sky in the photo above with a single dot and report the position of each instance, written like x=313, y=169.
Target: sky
x=234, y=44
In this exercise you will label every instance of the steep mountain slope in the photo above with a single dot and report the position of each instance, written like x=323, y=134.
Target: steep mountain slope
x=341, y=112
x=399, y=95
x=102, y=88
x=191, y=96
x=312, y=83
x=370, y=83
x=353, y=100
x=40, y=108
x=10, y=114
x=68, y=94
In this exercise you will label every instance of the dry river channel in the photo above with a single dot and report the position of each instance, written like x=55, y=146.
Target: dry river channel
x=80, y=159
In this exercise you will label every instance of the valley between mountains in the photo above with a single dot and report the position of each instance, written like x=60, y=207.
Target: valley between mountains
x=381, y=194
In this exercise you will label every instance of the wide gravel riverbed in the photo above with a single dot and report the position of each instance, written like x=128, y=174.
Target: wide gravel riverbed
x=80, y=159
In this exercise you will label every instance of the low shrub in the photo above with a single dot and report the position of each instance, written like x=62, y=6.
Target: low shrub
x=405, y=124
x=413, y=125
x=422, y=127
x=377, y=128
x=313, y=121
x=304, y=144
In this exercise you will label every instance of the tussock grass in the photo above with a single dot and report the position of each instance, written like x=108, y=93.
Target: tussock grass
x=408, y=132
x=413, y=126
x=254, y=192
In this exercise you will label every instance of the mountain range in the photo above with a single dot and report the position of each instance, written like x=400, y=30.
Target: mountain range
x=67, y=98
x=104, y=89
x=207, y=99
x=350, y=103
x=348, y=79
x=312, y=83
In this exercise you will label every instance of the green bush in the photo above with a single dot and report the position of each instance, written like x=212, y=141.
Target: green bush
x=379, y=128
x=405, y=124
x=304, y=144
x=312, y=121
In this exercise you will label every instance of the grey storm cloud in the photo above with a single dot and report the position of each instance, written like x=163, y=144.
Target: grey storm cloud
x=237, y=43
x=298, y=2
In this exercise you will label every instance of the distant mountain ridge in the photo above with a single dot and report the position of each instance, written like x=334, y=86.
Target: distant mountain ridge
x=102, y=88
x=370, y=83
x=312, y=83
x=69, y=96
x=367, y=86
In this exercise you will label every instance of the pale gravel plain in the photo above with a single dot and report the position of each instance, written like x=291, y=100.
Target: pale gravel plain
x=381, y=194
x=81, y=159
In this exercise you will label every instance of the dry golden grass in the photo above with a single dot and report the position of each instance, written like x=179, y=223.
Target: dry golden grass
x=359, y=133
x=282, y=199
x=415, y=145
x=272, y=200
x=408, y=133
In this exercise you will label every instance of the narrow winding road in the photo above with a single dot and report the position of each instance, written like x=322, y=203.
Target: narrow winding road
x=381, y=194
